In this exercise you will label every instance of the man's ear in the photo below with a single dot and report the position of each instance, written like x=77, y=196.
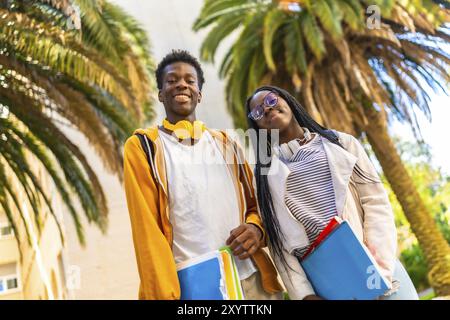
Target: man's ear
x=199, y=97
x=160, y=97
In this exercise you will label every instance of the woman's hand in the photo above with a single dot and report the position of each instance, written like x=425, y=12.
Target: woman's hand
x=378, y=260
x=313, y=297
x=244, y=240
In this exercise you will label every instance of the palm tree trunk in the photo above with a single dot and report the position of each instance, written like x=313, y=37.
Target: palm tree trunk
x=434, y=246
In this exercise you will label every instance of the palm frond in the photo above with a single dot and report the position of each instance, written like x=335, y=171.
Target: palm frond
x=94, y=78
x=329, y=16
x=273, y=20
x=313, y=35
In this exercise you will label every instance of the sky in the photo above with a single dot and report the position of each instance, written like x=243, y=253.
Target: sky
x=435, y=133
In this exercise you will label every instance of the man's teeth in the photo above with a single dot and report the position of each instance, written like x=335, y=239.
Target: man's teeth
x=181, y=98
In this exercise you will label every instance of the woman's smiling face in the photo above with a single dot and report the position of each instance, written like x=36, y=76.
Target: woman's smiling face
x=276, y=117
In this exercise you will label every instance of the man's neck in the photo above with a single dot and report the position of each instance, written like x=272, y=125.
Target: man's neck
x=175, y=118
x=186, y=142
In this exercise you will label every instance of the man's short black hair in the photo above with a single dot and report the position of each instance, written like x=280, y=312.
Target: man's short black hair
x=179, y=56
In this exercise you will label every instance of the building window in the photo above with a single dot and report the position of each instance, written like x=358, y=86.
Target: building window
x=9, y=279
x=11, y=283
x=8, y=283
x=6, y=231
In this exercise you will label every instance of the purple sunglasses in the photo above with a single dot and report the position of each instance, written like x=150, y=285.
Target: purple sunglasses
x=270, y=100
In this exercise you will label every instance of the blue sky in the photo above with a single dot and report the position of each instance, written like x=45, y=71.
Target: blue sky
x=435, y=133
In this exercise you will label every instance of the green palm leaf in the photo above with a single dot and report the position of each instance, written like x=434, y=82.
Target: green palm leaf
x=274, y=19
x=329, y=16
x=313, y=34
x=94, y=78
x=295, y=51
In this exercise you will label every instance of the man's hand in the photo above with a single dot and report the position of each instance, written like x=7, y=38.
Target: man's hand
x=244, y=240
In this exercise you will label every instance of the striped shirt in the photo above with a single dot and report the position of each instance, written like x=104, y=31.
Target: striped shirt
x=309, y=189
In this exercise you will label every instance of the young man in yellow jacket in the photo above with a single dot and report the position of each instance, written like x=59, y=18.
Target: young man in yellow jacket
x=185, y=197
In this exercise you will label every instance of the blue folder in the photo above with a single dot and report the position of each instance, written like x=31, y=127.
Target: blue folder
x=201, y=281
x=340, y=268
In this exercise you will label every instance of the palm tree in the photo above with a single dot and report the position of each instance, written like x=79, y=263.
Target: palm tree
x=349, y=76
x=71, y=64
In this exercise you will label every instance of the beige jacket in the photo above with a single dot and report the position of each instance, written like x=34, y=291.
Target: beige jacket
x=365, y=206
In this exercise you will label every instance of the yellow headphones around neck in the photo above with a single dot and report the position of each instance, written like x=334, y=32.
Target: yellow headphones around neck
x=185, y=129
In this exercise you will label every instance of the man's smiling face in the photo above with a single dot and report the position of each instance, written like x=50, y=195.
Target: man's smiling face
x=180, y=91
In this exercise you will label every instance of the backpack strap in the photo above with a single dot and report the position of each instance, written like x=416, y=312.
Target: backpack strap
x=148, y=148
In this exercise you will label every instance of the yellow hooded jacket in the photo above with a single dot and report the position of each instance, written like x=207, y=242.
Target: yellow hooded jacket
x=147, y=199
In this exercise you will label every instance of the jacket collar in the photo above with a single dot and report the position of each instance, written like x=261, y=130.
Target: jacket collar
x=341, y=163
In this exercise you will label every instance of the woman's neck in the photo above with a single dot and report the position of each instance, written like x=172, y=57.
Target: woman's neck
x=293, y=131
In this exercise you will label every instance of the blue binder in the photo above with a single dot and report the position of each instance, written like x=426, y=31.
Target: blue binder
x=341, y=268
x=202, y=280
x=210, y=276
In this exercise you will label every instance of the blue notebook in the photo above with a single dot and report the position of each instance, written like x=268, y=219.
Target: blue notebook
x=201, y=279
x=211, y=276
x=342, y=268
